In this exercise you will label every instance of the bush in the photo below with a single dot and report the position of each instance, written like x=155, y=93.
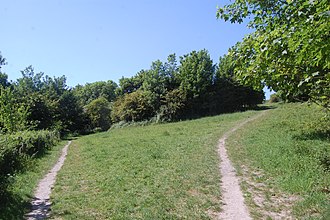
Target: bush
x=173, y=106
x=274, y=98
x=98, y=112
x=135, y=106
x=17, y=150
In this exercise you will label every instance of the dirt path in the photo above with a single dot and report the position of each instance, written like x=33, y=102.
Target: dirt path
x=233, y=200
x=41, y=203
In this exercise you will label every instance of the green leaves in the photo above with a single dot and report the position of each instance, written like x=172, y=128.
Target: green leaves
x=99, y=113
x=196, y=73
x=291, y=42
x=13, y=115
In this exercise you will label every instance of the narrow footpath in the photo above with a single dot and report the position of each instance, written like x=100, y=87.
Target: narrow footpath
x=41, y=202
x=232, y=197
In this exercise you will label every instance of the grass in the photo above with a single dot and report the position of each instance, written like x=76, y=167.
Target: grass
x=170, y=171
x=20, y=192
x=164, y=171
x=287, y=150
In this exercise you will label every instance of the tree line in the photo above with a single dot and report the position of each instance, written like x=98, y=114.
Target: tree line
x=167, y=91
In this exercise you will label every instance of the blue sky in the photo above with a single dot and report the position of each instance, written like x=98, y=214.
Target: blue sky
x=97, y=40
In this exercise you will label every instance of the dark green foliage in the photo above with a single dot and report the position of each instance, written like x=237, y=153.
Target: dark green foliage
x=173, y=105
x=195, y=88
x=18, y=149
x=3, y=77
x=129, y=85
x=289, y=50
x=196, y=73
x=91, y=91
x=71, y=113
x=13, y=115
x=229, y=96
x=41, y=111
x=165, y=92
x=98, y=112
x=4, y=80
x=135, y=106
x=52, y=105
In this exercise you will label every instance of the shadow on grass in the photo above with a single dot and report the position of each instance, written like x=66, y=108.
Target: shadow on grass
x=72, y=138
x=314, y=135
x=12, y=206
x=261, y=107
x=323, y=135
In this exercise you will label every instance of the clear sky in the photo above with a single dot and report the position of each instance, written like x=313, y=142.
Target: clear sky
x=97, y=40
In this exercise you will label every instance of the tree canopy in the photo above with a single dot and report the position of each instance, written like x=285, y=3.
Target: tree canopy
x=289, y=51
x=167, y=91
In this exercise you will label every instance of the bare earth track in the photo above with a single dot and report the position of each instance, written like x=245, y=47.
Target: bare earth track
x=233, y=200
x=41, y=203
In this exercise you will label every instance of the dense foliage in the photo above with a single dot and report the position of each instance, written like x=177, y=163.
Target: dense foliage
x=98, y=112
x=289, y=51
x=17, y=151
x=170, y=91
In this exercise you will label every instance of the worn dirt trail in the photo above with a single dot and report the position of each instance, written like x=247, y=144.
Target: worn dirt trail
x=41, y=203
x=233, y=200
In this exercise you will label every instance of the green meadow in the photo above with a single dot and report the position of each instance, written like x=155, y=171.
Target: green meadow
x=164, y=171
x=171, y=170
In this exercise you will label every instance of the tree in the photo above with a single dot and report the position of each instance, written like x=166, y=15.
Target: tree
x=3, y=77
x=135, y=106
x=13, y=115
x=290, y=48
x=132, y=84
x=4, y=80
x=2, y=61
x=99, y=113
x=196, y=73
x=51, y=104
x=172, y=107
x=92, y=91
x=70, y=113
x=231, y=94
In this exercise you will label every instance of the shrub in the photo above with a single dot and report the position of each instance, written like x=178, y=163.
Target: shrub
x=17, y=150
x=135, y=106
x=99, y=113
x=274, y=98
x=173, y=105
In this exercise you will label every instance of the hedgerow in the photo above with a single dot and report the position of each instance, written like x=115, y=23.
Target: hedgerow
x=18, y=150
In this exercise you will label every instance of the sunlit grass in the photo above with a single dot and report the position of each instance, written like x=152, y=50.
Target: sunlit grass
x=291, y=146
x=167, y=171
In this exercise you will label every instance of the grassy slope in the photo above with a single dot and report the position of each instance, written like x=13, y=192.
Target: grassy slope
x=167, y=171
x=24, y=184
x=293, y=152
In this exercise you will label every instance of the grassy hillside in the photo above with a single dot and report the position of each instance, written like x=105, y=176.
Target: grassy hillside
x=167, y=171
x=284, y=157
x=170, y=171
